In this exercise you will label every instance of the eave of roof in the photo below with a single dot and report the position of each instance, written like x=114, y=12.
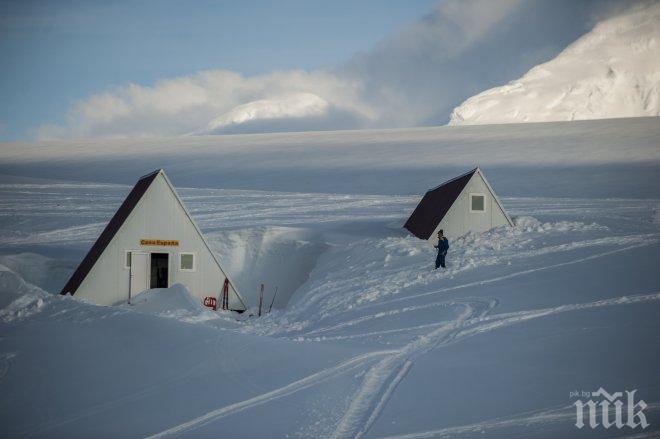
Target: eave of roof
x=470, y=173
x=201, y=235
x=109, y=232
x=495, y=197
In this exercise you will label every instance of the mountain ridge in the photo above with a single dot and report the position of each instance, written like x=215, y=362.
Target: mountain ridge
x=613, y=71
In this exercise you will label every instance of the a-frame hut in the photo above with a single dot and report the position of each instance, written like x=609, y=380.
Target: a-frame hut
x=463, y=204
x=151, y=242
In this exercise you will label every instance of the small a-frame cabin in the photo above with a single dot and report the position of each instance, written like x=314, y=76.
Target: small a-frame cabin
x=463, y=204
x=151, y=242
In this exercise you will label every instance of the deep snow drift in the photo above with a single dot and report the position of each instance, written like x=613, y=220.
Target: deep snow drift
x=612, y=71
x=366, y=339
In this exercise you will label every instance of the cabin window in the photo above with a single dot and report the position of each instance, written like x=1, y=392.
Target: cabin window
x=187, y=261
x=127, y=260
x=477, y=202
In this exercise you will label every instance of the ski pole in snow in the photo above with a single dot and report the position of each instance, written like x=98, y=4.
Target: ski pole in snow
x=261, y=298
x=272, y=301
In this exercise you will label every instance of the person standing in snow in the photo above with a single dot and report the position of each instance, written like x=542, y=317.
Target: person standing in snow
x=443, y=246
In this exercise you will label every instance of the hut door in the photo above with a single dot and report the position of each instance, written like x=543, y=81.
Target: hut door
x=159, y=270
x=139, y=272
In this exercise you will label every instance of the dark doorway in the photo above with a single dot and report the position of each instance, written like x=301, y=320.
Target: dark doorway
x=159, y=270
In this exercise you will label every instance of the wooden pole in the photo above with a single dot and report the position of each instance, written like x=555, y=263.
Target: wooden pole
x=261, y=298
x=272, y=301
x=130, y=277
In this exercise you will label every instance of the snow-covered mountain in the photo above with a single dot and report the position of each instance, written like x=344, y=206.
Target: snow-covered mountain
x=298, y=105
x=612, y=71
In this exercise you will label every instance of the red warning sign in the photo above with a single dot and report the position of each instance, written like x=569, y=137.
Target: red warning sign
x=211, y=302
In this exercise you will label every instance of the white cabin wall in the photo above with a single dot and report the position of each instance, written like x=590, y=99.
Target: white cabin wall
x=158, y=215
x=101, y=285
x=454, y=222
x=459, y=220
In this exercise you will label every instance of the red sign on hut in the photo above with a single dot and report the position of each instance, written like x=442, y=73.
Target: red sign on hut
x=211, y=302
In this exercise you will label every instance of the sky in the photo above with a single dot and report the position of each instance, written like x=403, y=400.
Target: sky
x=74, y=69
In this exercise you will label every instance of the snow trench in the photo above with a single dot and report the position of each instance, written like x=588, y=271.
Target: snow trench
x=281, y=258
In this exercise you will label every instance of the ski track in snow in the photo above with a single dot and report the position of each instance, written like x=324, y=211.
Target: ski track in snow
x=320, y=297
x=379, y=315
x=384, y=398
x=5, y=364
x=389, y=313
x=296, y=386
x=106, y=406
x=541, y=417
x=498, y=321
x=374, y=392
x=512, y=275
x=367, y=402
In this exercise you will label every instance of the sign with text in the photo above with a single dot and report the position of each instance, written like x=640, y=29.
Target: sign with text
x=161, y=242
x=211, y=302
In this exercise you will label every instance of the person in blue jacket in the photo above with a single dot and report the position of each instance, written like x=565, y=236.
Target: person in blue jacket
x=443, y=246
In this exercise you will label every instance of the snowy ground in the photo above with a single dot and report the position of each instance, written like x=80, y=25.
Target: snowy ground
x=364, y=339
x=373, y=342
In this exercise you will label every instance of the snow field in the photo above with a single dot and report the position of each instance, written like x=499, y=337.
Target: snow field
x=371, y=342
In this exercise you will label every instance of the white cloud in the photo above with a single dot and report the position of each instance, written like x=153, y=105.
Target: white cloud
x=209, y=100
x=420, y=71
x=415, y=77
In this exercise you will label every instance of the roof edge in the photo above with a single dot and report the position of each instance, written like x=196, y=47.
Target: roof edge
x=420, y=221
x=108, y=233
x=199, y=232
x=455, y=178
x=492, y=192
x=157, y=171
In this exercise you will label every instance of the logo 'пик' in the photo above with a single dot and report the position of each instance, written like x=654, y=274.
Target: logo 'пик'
x=611, y=405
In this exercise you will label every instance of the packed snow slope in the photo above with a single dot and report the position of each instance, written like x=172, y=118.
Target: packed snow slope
x=611, y=72
x=365, y=339
x=604, y=158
